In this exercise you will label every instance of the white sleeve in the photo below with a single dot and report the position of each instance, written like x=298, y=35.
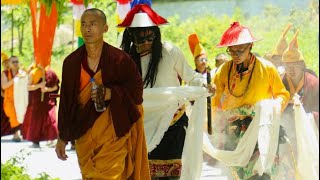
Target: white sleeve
x=185, y=71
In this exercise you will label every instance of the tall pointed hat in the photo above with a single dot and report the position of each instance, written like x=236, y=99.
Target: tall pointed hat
x=292, y=53
x=282, y=42
x=195, y=45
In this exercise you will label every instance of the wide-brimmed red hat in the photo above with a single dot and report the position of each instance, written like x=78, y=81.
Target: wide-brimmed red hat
x=236, y=35
x=142, y=16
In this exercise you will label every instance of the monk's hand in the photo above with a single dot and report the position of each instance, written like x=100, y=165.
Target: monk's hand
x=61, y=149
x=98, y=94
x=42, y=85
x=45, y=89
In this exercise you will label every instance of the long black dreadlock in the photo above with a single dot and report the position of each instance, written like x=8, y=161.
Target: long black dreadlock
x=129, y=47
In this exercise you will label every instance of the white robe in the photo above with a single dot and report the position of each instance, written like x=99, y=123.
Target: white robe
x=166, y=96
x=172, y=64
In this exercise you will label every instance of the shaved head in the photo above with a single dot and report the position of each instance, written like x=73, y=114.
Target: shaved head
x=97, y=12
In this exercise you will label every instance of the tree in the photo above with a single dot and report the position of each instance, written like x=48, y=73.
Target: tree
x=18, y=17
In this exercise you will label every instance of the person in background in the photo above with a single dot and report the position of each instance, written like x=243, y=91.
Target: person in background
x=110, y=144
x=298, y=80
x=199, y=54
x=276, y=56
x=244, y=81
x=160, y=64
x=40, y=121
x=5, y=124
x=220, y=59
x=7, y=84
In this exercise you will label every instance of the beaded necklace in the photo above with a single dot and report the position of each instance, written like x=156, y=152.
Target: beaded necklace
x=247, y=87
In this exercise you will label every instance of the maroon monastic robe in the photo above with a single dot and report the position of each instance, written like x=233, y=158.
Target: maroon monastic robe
x=5, y=124
x=119, y=73
x=40, y=121
x=309, y=95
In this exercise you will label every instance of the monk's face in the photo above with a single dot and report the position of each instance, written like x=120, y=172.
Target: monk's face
x=295, y=70
x=201, y=62
x=14, y=62
x=239, y=53
x=92, y=27
x=143, y=41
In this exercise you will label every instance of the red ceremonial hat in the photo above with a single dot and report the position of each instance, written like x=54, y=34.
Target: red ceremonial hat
x=142, y=15
x=236, y=35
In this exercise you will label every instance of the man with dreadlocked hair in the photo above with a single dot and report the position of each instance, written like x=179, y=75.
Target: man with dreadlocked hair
x=160, y=64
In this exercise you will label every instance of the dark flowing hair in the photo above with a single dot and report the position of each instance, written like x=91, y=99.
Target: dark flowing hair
x=129, y=47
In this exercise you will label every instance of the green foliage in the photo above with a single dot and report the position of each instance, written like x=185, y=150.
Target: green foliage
x=267, y=26
x=21, y=15
x=12, y=169
x=18, y=19
x=15, y=169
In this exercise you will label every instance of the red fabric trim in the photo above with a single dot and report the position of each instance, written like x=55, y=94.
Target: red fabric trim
x=156, y=19
x=123, y=1
x=77, y=2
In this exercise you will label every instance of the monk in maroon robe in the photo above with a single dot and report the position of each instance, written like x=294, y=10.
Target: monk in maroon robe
x=5, y=124
x=110, y=144
x=40, y=121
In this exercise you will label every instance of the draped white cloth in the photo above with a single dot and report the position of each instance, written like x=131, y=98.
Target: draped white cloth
x=263, y=129
x=192, y=151
x=21, y=95
x=307, y=135
x=160, y=104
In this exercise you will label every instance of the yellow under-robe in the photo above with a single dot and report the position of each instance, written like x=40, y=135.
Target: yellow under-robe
x=8, y=104
x=103, y=156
